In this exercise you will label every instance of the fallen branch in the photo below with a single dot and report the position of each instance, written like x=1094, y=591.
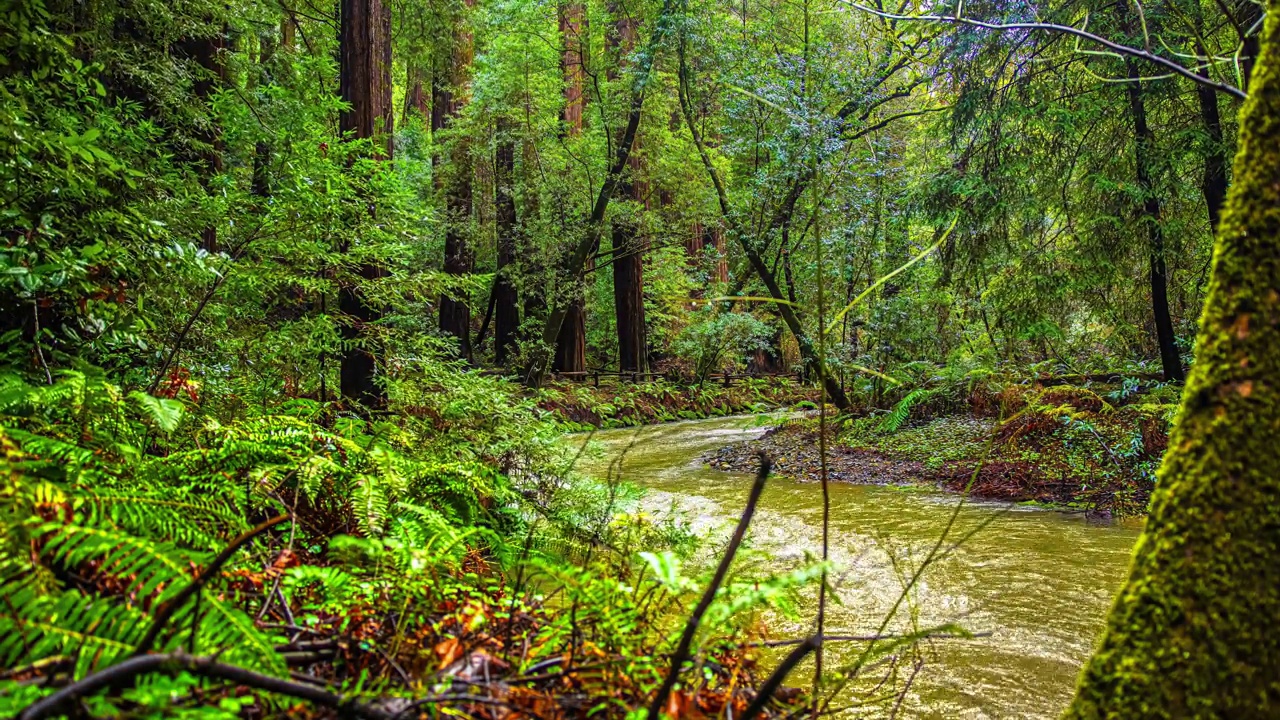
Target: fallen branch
x=174, y=663
x=691, y=627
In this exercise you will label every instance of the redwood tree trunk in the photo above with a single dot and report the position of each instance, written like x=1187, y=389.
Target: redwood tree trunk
x=628, y=295
x=722, y=253
x=571, y=341
x=448, y=98
x=628, y=245
x=365, y=83
x=506, y=307
x=416, y=98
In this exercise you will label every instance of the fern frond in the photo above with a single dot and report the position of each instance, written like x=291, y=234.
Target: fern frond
x=164, y=413
x=36, y=625
x=150, y=566
x=902, y=410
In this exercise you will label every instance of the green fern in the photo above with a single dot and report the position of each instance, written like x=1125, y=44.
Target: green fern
x=902, y=409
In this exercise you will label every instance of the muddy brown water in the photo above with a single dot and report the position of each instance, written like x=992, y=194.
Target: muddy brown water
x=1038, y=581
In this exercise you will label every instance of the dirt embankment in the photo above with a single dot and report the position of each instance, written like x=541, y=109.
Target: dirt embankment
x=795, y=454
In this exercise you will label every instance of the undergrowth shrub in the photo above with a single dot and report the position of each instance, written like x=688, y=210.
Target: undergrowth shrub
x=412, y=562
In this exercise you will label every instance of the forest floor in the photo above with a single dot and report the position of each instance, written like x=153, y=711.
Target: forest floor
x=584, y=406
x=1061, y=447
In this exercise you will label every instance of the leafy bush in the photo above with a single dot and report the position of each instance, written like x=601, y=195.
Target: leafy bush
x=716, y=340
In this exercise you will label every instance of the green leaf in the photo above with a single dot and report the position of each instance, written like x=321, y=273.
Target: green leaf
x=165, y=413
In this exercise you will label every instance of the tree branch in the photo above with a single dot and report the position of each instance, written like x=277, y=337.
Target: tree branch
x=770, y=686
x=174, y=663
x=166, y=611
x=681, y=654
x=1115, y=47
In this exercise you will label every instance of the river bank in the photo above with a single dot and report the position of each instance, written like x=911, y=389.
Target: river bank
x=583, y=406
x=1060, y=447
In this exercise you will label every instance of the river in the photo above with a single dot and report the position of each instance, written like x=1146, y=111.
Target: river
x=1040, y=582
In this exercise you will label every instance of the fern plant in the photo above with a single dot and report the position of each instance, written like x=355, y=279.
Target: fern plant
x=895, y=418
x=122, y=510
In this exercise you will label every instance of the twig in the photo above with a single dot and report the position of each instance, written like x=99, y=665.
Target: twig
x=167, y=610
x=205, y=667
x=770, y=686
x=35, y=314
x=691, y=627
x=897, y=706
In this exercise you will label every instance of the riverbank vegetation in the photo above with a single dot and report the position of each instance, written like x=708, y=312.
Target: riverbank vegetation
x=1094, y=446
x=297, y=299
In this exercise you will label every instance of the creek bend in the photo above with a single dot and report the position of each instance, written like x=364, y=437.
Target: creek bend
x=1040, y=582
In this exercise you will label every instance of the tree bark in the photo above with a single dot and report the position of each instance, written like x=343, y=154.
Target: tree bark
x=722, y=253
x=365, y=84
x=1192, y=632
x=417, y=100
x=1144, y=142
x=449, y=95
x=505, y=300
x=628, y=245
x=571, y=339
x=628, y=295
x=1213, y=180
x=1213, y=183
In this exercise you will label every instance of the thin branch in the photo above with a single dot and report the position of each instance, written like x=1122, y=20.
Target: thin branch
x=1115, y=47
x=869, y=638
x=770, y=686
x=681, y=654
x=174, y=663
x=166, y=611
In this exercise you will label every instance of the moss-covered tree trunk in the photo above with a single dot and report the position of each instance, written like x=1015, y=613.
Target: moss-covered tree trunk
x=1195, y=632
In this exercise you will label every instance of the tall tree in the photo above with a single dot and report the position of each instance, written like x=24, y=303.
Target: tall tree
x=449, y=95
x=1152, y=223
x=574, y=266
x=571, y=340
x=1191, y=632
x=364, y=82
x=505, y=300
x=628, y=243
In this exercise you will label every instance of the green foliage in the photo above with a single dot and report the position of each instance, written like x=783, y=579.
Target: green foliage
x=714, y=340
x=118, y=529
x=898, y=415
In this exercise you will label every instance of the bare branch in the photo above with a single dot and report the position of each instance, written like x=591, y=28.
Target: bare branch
x=1115, y=47
x=167, y=610
x=681, y=654
x=174, y=663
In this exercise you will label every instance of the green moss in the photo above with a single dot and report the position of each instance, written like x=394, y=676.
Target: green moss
x=1193, y=631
